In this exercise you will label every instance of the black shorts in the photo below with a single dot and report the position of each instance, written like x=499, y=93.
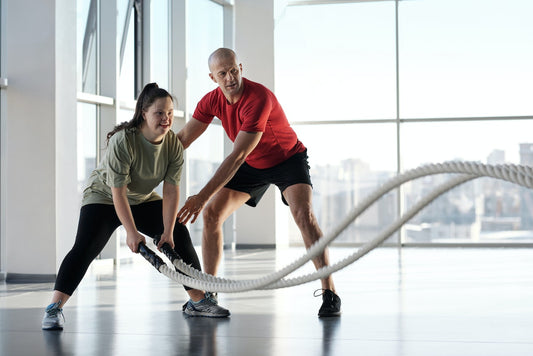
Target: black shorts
x=255, y=181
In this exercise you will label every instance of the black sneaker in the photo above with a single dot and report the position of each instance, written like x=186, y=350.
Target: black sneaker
x=331, y=303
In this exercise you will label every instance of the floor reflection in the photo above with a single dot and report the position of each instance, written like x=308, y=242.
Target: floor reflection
x=330, y=327
x=203, y=336
x=53, y=342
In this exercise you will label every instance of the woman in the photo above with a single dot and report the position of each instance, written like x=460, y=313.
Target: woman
x=141, y=153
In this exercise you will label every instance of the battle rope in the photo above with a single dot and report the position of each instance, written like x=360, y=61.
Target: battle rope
x=518, y=174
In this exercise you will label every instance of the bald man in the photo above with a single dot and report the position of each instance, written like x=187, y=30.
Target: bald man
x=266, y=150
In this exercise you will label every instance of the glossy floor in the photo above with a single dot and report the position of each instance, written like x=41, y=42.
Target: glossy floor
x=447, y=301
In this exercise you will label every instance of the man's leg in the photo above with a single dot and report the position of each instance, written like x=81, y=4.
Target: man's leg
x=219, y=208
x=299, y=197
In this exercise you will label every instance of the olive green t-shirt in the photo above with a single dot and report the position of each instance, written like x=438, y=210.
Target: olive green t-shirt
x=134, y=161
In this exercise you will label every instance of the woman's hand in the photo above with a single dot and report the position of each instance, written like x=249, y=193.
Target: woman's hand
x=133, y=240
x=166, y=238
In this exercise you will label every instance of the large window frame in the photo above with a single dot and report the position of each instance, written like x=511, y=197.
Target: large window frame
x=400, y=121
x=111, y=105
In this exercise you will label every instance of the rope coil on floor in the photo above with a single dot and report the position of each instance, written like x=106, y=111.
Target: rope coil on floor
x=465, y=171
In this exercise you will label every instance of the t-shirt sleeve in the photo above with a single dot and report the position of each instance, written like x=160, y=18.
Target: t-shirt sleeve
x=119, y=159
x=175, y=163
x=256, y=113
x=204, y=111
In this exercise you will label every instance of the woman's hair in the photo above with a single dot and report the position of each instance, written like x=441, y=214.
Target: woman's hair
x=150, y=93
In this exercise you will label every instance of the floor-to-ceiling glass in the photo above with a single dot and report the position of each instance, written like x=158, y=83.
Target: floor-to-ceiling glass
x=159, y=42
x=205, y=34
x=341, y=71
x=454, y=86
x=87, y=64
x=455, y=65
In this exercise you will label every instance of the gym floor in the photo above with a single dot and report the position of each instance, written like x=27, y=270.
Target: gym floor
x=420, y=301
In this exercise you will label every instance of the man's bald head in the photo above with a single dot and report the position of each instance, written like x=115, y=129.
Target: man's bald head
x=221, y=54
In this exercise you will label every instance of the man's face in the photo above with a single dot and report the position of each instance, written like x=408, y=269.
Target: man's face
x=228, y=75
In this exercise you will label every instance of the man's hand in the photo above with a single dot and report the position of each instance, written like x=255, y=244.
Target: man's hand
x=191, y=209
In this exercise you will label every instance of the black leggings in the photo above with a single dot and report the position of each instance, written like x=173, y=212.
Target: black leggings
x=97, y=223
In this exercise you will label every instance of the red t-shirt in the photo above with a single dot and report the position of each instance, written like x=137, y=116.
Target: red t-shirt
x=257, y=110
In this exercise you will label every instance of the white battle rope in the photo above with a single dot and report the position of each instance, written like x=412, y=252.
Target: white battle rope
x=518, y=174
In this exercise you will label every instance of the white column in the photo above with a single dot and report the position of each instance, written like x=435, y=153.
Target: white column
x=67, y=199
x=38, y=159
x=254, y=45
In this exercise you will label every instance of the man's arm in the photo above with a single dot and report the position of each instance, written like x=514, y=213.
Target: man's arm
x=191, y=131
x=244, y=144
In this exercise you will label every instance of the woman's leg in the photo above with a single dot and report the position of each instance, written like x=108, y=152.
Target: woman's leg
x=96, y=224
x=149, y=220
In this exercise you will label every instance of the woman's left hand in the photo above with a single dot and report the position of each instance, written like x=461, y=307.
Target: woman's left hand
x=166, y=238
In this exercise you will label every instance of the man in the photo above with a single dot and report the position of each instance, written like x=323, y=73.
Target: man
x=265, y=151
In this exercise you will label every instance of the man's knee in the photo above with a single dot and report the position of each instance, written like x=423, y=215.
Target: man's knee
x=303, y=216
x=212, y=217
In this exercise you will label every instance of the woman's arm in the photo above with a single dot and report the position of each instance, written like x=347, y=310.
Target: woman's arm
x=171, y=197
x=122, y=207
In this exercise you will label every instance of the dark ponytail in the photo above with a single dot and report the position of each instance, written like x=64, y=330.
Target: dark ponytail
x=150, y=93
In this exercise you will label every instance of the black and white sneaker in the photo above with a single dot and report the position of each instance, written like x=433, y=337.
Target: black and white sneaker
x=331, y=303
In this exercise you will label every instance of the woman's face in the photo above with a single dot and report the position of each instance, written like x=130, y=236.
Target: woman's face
x=158, y=119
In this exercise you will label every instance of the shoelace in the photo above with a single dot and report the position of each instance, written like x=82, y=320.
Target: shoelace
x=212, y=297
x=322, y=291
x=55, y=310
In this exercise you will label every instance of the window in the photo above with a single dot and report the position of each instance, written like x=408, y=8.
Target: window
x=159, y=42
x=464, y=93
x=87, y=63
x=347, y=163
x=342, y=70
x=87, y=114
x=126, y=32
x=205, y=34
x=456, y=62
x=336, y=62
x=87, y=22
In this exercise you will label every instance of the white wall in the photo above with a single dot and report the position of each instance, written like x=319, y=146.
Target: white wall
x=39, y=135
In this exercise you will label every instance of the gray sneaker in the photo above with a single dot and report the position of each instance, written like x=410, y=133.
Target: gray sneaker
x=53, y=317
x=206, y=307
x=212, y=296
